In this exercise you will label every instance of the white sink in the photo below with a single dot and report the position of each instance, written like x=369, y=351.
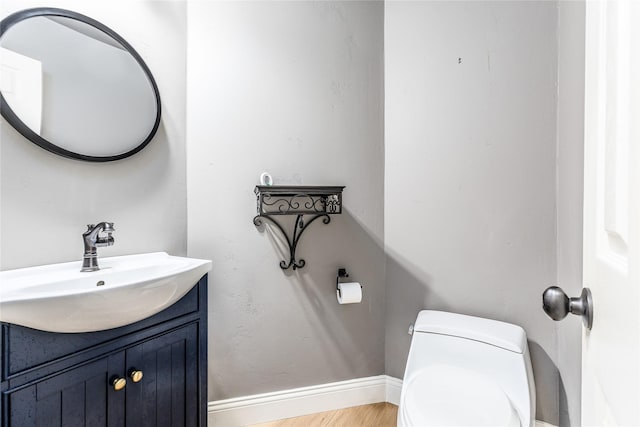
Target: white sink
x=59, y=298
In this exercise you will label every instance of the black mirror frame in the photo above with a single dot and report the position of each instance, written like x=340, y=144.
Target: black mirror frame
x=23, y=129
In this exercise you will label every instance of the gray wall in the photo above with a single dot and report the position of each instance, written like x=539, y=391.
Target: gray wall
x=571, y=38
x=470, y=139
x=296, y=89
x=46, y=200
x=473, y=191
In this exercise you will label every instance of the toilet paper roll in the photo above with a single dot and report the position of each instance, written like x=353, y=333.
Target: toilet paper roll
x=349, y=293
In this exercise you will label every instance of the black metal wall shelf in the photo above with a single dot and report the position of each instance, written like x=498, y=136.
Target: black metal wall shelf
x=315, y=201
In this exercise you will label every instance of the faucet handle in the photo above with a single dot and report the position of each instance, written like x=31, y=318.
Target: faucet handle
x=90, y=227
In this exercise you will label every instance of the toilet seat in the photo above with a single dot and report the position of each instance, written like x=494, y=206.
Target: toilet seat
x=443, y=395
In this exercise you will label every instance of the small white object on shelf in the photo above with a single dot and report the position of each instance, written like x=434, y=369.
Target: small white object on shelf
x=265, y=179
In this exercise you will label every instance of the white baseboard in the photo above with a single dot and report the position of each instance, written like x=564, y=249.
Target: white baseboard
x=262, y=408
x=267, y=407
x=393, y=389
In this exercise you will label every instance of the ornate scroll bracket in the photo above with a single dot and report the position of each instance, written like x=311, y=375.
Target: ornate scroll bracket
x=292, y=241
x=317, y=202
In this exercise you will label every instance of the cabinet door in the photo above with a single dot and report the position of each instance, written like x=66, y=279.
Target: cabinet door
x=81, y=396
x=167, y=394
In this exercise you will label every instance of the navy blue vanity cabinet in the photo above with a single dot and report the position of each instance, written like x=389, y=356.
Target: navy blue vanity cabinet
x=68, y=380
x=168, y=392
x=76, y=397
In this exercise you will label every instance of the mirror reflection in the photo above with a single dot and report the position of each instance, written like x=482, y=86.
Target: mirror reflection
x=74, y=88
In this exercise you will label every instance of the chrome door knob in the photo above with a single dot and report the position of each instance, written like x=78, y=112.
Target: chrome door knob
x=557, y=305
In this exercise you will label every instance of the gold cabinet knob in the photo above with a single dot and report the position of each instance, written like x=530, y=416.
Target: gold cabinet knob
x=135, y=375
x=118, y=383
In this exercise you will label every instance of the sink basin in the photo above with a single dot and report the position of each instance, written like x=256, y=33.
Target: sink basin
x=59, y=298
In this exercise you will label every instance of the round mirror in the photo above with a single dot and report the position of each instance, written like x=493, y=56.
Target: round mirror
x=75, y=87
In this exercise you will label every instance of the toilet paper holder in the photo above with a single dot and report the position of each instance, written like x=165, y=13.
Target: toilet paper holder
x=342, y=274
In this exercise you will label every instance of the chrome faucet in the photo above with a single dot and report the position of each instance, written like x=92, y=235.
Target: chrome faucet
x=92, y=239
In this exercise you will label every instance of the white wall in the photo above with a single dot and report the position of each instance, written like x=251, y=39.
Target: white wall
x=571, y=44
x=296, y=89
x=470, y=139
x=46, y=200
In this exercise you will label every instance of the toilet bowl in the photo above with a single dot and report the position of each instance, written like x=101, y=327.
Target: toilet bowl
x=467, y=371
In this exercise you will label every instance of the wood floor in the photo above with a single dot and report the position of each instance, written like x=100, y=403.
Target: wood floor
x=377, y=414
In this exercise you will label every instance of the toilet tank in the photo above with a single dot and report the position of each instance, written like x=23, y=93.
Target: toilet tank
x=495, y=349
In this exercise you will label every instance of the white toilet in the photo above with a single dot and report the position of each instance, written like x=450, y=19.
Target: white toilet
x=467, y=371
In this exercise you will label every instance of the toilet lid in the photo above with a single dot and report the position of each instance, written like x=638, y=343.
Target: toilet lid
x=443, y=395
